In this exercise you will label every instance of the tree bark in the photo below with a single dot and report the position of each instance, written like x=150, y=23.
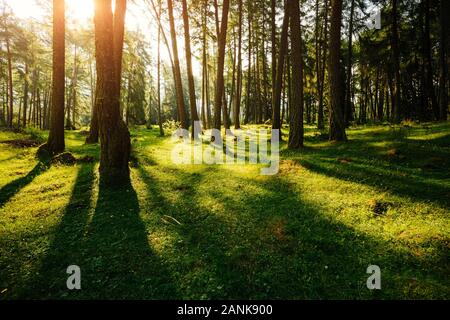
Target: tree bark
x=443, y=58
x=396, y=64
x=114, y=135
x=238, y=95
x=10, y=85
x=187, y=44
x=218, y=100
x=337, y=124
x=276, y=97
x=296, y=120
x=55, y=143
x=348, y=92
x=25, y=97
x=178, y=81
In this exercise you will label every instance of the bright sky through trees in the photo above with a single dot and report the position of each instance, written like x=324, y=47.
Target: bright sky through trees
x=82, y=11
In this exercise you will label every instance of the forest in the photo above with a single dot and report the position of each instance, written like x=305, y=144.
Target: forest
x=348, y=98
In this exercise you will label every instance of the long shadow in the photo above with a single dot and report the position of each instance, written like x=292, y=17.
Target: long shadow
x=278, y=246
x=65, y=249
x=422, y=171
x=109, y=245
x=120, y=263
x=9, y=190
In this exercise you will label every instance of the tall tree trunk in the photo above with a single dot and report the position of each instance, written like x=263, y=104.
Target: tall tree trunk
x=205, y=117
x=273, y=39
x=276, y=97
x=114, y=135
x=218, y=100
x=249, y=59
x=337, y=124
x=296, y=120
x=238, y=95
x=430, y=94
x=25, y=97
x=178, y=81
x=443, y=58
x=322, y=69
x=55, y=143
x=396, y=64
x=348, y=92
x=187, y=45
x=10, y=85
x=161, y=130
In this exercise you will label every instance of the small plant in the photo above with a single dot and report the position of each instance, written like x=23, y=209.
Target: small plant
x=407, y=123
x=171, y=125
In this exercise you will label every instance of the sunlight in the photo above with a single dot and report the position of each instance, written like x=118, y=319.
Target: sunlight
x=79, y=10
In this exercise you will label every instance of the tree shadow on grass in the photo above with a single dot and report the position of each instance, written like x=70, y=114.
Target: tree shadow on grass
x=65, y=248
x=109, y=245
x=278, y=246
x=121, y=265
x=11, y=189
x=419, y=186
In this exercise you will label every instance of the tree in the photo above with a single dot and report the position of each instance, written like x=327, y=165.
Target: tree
x=161, y=130
x=276, y=94
x=443, y=58
x=337, y=124
x=218, y=99
x=237, y=96
x=191, y=84
x=55, y=143
x=114, y=135
x=296, y=123
x=177, y=71
x=396, y=64
x=348, y=92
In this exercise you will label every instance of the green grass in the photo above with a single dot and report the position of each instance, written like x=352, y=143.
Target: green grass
x=205, y=232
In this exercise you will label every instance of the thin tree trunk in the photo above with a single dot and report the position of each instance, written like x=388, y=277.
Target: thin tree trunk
x=443, y=58
x=25, y=97
x=10, y=85
x=55, y=143
x=337, y=125
x=431, y=96
x=296, y=120
x=161, y=130
x=396, y=64
x=238, y=95
x=220, y=66
x=178, y=81
x=187, y=44
x=276, y=98
x=348, y=94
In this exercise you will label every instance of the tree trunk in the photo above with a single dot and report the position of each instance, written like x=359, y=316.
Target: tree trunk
x=348, y=94
x=337, y=124
x=296, y=120
x=276, y=97
x=220, y=66
x=431, y=96
x=55, y=143
x=187, y=44
x=25, y=98
x=322, y=69
x=161, y=130
x=10, y=85
x=237, y=96
x=114, y=135
x=178, y=81
x=396, y=64
x=443, y=58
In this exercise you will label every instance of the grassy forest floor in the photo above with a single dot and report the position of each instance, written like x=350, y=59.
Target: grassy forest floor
x=200, y=232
